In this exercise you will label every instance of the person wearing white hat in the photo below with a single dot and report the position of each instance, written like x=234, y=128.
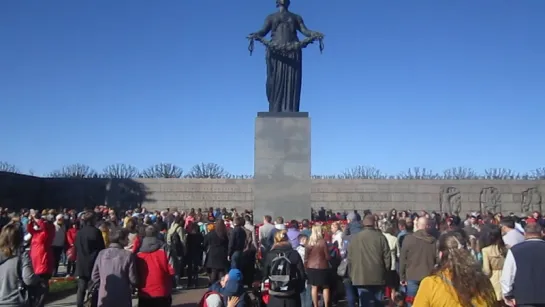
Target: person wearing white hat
x=59, y=241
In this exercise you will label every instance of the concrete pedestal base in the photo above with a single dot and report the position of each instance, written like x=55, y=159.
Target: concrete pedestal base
x=282, y=181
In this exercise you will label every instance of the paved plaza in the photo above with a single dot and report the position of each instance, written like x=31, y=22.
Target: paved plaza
x=183, y=298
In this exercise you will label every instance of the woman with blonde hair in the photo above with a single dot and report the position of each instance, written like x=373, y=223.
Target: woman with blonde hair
x=15, y=267
x=458, y=279
x=280, y=254
x=317, y=264
x=494, y=258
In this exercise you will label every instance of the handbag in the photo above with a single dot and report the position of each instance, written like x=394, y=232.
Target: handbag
x=91, y=300
x=342, y=268
x=71, y=253
x=31, y=295
x=23, y=291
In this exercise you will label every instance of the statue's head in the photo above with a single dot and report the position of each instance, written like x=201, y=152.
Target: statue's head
x=284, y=3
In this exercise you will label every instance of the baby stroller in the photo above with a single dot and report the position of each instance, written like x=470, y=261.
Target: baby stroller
x=257, y=294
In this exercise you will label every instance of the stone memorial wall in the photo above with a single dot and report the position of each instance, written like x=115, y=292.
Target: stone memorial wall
x=377, y=195
x=336, y=194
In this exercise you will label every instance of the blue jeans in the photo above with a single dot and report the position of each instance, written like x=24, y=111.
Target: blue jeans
x=64, y=260
x=370, y=296
x=350, y=292
x=412, y=288
x=235, y=260
x=306, y=299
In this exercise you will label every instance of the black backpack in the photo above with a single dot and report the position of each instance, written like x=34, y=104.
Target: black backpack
x=280, y=276
x=176, y=243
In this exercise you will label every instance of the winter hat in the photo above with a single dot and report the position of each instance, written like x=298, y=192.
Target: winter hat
x=235, y=275
x=214, y=300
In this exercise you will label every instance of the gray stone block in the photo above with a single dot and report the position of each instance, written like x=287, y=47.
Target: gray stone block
x=282, y=182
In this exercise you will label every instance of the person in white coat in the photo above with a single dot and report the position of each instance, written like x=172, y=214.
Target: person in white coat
x=59, y=241
x=392, y=277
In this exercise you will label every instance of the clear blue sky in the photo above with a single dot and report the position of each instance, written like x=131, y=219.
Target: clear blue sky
x=401, y=83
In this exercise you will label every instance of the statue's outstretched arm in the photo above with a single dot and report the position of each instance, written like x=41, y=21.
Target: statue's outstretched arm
x=264, y=30
x=304, y=30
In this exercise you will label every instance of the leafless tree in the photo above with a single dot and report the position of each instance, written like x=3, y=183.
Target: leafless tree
x=538, y=173
x=77, y=170
x=7, y=167
x=417, y=173
x=362, y=172
x=163, y=170
x=500, y=174
x=120, y=170
x=459, y=173
x=207, y=170
x=324, y=176
x=231, y=176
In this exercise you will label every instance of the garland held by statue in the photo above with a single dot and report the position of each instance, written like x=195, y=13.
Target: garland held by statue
x=286, y=48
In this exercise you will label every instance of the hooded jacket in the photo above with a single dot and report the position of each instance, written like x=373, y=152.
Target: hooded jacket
x=115, y=272
x=154, y=269
x=369, y=258
x=41, y=254
x=10, y=281
x=233, y=287
x=297, y=269
x=418, y=256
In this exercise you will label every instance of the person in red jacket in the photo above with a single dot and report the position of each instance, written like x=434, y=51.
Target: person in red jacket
x=71, y=248
x=155, y=272
x=41, y=254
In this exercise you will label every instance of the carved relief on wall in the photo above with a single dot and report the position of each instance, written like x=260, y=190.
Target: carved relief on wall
x=490, y=200
x=450, y=200
x=531, y=200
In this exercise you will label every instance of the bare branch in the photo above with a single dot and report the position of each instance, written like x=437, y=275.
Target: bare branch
x=207, y=170
x=7, y=167
x=231, y=176
x=163, y=170
x=120, y=170
x=324, y=176
x=538, y=173
x=77, y=170
x=500, y=174
x=362, y=172
x=459, y=173
x=417, y=173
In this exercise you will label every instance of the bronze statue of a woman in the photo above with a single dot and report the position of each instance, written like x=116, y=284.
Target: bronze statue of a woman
x=284, y=56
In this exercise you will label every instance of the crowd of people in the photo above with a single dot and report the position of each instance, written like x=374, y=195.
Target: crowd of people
x=397, y=258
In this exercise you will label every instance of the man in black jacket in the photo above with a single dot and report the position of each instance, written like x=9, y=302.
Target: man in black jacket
x=89, y=243
x=237, y=241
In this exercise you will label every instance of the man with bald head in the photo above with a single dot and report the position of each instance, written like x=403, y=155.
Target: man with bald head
x=417, y=258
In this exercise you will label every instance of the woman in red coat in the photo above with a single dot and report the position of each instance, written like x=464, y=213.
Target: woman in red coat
x=43, y=233
x=70, y=248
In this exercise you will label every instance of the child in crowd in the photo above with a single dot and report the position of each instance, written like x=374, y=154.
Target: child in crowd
x=303, y=238
x=230, y=286
x=399, y=300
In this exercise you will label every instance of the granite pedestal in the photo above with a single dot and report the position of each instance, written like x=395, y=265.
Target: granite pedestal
x=282, y=181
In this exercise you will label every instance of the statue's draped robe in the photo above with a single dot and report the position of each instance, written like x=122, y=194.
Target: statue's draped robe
x=284, y=70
